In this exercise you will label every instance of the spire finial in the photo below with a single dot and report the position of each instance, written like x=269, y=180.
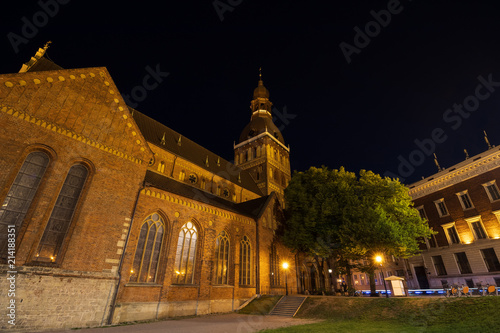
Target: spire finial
x=466, y=154
x=487, y=141
x=260, y=73
x=437, y=163
x=46, y=46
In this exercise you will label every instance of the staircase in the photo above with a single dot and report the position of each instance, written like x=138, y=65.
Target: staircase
x=287, y=306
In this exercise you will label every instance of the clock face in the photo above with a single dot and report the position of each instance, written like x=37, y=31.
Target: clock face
x=225, y=192
x=193, y=179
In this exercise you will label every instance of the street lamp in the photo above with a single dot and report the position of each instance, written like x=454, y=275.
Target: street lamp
x=285, y=267
x=379, y=260
x=331, y=280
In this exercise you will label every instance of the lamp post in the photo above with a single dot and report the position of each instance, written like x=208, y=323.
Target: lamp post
x=331, y=280
x=379, y=260
x=285, y=267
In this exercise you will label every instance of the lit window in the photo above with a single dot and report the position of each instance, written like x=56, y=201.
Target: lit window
x=465, y=200
x=477, y=227
x=222, y=258
x=161, y=167
x=245, y=261
x=451, y=233
x=492, y=190
x=491, y=260
x=463, y=263
x=147, y=253
x=62, y=214
x=186, y=254
x=275, y=266
x=21, y=194
x=439, y=265
x=441, y=207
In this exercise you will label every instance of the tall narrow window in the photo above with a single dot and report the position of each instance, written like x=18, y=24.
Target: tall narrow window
x=20, y=195
x=148, y=249
x=245, y=261
x=275, y=266
x=477, y=227
x=439, y=265
x=186, y=254
x=463, y=263
x=422, y=213
x=222, y=258
x=62, y=214
x=491, y=260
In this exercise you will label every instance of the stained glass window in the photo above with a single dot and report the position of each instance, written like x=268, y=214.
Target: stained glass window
x=62, y=213
x=148, y=249
x=186, y=254
x=21, y=194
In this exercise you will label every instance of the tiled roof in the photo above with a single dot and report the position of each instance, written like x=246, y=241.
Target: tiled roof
x=251, y=208
x=44, y=64
x=154, y=132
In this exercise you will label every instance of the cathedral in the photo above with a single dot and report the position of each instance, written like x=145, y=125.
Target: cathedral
x=109, y=216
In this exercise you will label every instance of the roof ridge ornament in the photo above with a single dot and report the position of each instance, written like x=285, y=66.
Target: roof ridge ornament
x=163, y=139
x=179, y=142
x=466, y=154
x=206, y=162
x=38, y=55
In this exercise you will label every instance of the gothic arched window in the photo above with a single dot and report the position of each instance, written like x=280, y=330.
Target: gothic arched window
x=245, y=261
x=222, y=258
x=62, y=214
x=21, y=194
x=275, y=266
x=186, y=254
x=147, y=253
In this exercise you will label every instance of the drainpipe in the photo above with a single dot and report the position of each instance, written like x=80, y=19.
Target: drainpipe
x=257, y=268
x=115, y=294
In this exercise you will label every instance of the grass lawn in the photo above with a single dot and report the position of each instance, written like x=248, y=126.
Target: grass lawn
x=261, y=305
x=432, y=314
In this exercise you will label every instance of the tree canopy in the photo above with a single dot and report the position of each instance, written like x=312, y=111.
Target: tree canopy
x=336, y=212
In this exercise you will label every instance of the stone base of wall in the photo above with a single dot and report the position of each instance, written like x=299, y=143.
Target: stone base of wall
x=51, y=298
x=137, y=311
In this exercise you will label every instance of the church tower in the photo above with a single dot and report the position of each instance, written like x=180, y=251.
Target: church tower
x=261, y=148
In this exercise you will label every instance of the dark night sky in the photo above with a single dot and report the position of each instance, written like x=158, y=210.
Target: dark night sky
x=361, y=115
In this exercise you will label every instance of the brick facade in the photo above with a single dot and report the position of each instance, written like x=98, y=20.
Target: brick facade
x=136, y=167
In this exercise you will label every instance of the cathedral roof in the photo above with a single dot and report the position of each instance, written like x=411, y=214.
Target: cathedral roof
x=168, y=139
x=252, y=208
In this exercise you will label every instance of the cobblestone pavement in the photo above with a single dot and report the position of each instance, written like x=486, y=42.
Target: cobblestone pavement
x=230, y=323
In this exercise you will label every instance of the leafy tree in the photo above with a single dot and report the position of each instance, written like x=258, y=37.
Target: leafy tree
x=334, y=213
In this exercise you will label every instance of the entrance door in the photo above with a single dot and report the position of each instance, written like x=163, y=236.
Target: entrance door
x=421, y=277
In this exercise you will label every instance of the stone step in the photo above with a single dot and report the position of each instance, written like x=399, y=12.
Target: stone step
x=287, y=306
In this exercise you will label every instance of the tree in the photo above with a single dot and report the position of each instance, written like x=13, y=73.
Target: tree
x=336, y=213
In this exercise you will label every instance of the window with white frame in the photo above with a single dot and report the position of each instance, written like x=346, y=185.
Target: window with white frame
x=477, y=227
x=465, y=200
x=492, y=190
x=451, y=233
x=441, y=207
